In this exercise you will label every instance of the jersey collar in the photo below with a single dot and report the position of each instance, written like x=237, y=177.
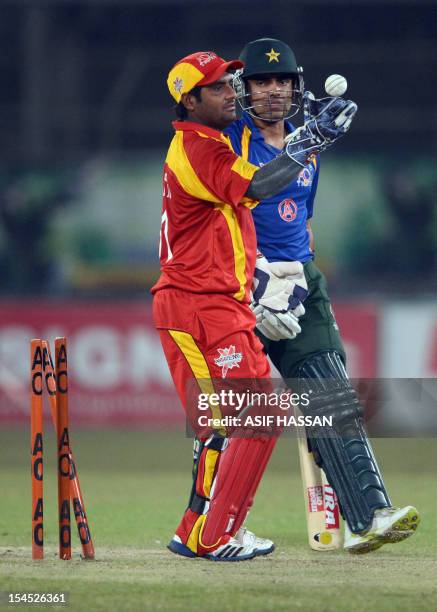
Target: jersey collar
x=256, y=132
x=191, y=126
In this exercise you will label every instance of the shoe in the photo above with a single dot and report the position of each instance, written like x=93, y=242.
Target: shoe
x=263, y=546
x=176, y=546
x=232, y=550
x=389, y=526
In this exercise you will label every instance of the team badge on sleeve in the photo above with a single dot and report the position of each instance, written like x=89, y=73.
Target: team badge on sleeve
x=228, y=359
x=305, y=178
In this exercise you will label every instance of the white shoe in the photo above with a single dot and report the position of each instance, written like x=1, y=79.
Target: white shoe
x=233, y=550
x=263, y=546
x=389, y=526
x=244, y=546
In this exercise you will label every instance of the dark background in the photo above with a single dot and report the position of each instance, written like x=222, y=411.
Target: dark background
x=85, y=76
x=84, y=85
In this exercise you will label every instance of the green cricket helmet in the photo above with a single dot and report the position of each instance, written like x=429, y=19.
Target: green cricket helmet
x=262, y=57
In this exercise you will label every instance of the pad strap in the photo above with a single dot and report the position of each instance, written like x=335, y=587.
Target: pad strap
x=198, y=503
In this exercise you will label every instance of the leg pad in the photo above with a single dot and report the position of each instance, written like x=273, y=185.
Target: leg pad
x=343, y=450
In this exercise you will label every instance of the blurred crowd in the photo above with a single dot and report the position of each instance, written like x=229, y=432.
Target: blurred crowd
x=394, y=250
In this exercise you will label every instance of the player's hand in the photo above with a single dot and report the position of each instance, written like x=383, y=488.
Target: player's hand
x=279, y=286
x=327, y=119
x=277, y=325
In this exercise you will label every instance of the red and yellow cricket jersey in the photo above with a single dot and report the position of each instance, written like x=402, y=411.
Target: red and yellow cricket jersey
x=208, y=241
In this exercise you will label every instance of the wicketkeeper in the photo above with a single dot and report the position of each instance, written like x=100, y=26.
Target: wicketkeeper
x=201, y=301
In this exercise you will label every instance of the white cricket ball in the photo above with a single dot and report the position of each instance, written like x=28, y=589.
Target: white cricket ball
x=335, y=85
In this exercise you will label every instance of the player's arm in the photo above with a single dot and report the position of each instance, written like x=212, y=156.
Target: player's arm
x=317, y=134
x=273, y=177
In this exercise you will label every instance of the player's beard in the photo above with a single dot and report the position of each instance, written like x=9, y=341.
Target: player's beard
x=273, y=108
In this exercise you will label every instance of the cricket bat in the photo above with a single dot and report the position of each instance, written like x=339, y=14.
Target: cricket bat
x=321, y=504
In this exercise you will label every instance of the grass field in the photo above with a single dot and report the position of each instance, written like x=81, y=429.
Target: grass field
x=135, y=486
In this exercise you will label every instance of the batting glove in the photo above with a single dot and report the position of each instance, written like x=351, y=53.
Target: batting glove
x=279, y=286
x=277, y=325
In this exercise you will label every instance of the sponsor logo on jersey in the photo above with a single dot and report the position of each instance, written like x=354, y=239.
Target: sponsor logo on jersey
x=305, y=178
x=228, y=359
x=332, y=514
x=287, y=210
x=315, y=498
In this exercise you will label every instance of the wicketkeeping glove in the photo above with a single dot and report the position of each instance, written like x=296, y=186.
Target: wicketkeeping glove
x=326, y=120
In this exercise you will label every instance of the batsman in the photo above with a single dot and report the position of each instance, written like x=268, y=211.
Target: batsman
x=304, y=342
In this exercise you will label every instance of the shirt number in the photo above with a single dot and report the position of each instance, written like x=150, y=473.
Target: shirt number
x=164, y=233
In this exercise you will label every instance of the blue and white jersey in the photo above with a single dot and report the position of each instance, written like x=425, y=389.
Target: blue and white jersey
x=280, y=221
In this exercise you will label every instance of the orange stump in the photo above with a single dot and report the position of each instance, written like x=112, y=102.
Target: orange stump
x=63, y=448
x=57, y=388
x=36, y=448
x=79, y=513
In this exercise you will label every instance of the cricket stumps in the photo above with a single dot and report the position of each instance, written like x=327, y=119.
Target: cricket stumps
x=55, y=379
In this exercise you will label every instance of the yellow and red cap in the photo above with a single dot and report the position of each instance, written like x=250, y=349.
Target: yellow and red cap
x=201, y=68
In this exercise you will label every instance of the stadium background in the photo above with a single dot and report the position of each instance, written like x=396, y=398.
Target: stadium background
x=85, y=120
